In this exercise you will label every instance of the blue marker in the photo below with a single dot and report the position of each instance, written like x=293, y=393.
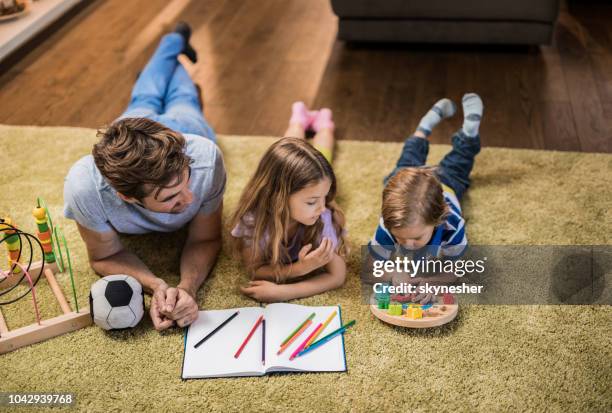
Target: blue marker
x=325, y=339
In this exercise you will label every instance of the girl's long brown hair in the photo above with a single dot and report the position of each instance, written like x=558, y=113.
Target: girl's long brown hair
x=288, y=166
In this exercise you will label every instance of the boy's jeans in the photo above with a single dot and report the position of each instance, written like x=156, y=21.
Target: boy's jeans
x=454, y=169
x=165, y=93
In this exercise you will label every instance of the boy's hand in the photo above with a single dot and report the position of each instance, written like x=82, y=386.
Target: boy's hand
x=264, y=291
x=403, y=278
x=440, y=279
x=423, y=298
x=317, y=258
x=416, y=282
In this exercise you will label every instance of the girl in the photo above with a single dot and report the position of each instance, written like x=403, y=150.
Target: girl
x=287, y=224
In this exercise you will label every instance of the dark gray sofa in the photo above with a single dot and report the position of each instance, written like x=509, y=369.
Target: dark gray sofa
x=447, y=21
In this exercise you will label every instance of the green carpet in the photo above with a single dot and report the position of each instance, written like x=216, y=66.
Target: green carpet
x=492, y=358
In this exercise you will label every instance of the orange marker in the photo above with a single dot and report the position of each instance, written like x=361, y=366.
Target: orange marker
x=320, y=330
x=296, y=335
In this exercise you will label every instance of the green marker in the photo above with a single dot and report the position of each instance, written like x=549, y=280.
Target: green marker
x=310, y=317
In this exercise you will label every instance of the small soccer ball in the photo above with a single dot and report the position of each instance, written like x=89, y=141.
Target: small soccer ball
x=116, y=302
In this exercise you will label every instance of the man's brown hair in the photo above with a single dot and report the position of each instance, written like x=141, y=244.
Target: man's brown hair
x=413, y=196
x=139, y=155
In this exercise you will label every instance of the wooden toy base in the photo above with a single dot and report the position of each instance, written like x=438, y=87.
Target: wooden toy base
x=69, y=321
x=49, y=328
x=436, y=316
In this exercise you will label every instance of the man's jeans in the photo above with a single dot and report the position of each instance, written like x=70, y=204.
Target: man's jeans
x=165, y=93
x=454, y=169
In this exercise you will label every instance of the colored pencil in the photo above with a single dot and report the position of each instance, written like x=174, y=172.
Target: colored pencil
x=263, y=342
x=219, y=327
x=296, y=335
x=310, y=317
x=327, y=338
x=325, y=324
x=246, y=340
x=301, y=346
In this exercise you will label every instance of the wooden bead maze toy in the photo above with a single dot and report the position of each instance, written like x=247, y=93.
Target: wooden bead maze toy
x=23, y=275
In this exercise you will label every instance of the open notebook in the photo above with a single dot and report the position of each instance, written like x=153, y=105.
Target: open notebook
x=215, y=357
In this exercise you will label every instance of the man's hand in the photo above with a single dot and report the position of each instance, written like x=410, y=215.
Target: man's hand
x=158, y=302
x=180, y=306
x=311, y=260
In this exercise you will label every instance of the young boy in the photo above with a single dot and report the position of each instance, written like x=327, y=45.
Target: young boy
x=420, y=205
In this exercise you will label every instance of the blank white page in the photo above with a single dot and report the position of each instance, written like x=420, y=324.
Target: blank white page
x=282, y=319
x=215, y=357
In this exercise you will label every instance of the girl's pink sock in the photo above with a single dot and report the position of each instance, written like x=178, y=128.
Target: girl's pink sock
x=312, y=115
x=323, y=120
x=300, y=114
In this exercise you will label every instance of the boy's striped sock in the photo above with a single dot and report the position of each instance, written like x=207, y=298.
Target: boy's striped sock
x=472, y=114
x=444, y=108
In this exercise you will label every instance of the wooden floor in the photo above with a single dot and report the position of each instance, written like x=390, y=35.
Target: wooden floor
x=258, y=56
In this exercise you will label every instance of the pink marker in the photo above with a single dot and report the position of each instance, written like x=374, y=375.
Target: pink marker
x=301, y=346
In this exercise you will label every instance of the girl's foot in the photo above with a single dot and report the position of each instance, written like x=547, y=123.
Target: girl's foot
x=312, y=115
x=472, y=114
x=303, y=117
x=323, y=120
x=300, y=121
x=300, y=115
x=444, y=108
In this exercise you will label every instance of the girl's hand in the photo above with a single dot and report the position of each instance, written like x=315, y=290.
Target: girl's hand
x=264, y=291
x=317, y=258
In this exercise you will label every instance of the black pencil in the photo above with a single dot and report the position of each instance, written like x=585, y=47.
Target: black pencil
x=219, y=327
x=263, y=342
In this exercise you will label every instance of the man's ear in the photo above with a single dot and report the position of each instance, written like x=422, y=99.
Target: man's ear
x=127, y=199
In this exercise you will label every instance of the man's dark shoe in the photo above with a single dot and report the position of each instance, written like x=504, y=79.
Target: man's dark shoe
x=184, y=30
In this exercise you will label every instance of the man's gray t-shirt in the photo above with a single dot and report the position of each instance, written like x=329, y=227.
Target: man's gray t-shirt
x=92, y=202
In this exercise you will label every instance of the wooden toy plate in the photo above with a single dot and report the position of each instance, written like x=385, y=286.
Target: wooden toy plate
x=437, y=315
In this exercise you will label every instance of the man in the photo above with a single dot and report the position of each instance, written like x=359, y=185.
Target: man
x=156, y=168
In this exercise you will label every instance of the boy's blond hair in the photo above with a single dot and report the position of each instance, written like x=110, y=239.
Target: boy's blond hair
x=413, y=196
